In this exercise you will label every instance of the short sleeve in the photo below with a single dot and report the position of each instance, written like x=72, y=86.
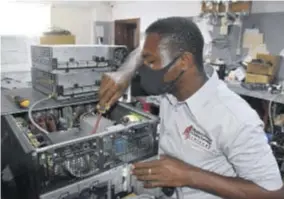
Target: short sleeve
x=161, y=127
x=252, y=157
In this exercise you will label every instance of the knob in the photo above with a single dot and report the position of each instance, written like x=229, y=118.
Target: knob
x=102, y=59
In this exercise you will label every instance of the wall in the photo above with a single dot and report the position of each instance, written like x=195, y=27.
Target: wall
x=104, y=22
x=78, y=20
x=76, y=16
x=103, y=12
x=151, y=11
x=267, y=6
x=18, y=33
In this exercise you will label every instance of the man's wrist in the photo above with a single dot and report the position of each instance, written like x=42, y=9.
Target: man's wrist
x=193, y=176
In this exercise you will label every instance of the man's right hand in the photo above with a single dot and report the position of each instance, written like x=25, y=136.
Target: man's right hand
x=113, y=86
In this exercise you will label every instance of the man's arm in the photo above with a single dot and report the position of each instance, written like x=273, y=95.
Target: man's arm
x=114, y=84
x=127, y=70
x=258, y=175
x=230, y=188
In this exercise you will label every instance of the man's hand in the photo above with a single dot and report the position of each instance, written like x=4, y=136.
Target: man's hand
x=113, y=85
x=165, y=172
x=170, y=172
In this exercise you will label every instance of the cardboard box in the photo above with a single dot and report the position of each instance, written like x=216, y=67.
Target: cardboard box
x=57, y=39
x=255, y=78
x=209, y=7
x=240, y=6
x=263, y=69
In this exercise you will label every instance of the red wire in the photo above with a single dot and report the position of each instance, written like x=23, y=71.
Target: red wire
x=94, y=131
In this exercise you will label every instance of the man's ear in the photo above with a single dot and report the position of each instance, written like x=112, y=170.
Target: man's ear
x=187, y=60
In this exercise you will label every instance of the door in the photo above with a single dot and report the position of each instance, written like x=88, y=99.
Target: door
x=127, y=32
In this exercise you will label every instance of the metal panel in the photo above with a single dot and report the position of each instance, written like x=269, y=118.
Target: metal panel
x=66, y=57
x=68, y=85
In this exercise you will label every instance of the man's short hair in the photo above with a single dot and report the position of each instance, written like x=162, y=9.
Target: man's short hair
x=180, y=35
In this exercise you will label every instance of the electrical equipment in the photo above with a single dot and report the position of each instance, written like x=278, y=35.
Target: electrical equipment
x=88, y=120
x=67, y=57
x=73, y=72
x=68, y=86
x=277, y=142
x=115, y=183
x=69, y=153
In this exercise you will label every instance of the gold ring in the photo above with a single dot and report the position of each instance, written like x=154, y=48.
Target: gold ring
x=149, y=171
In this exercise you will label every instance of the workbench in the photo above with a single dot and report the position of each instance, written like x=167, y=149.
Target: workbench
x=264, y=95
x=8, y=106
x=237, y=88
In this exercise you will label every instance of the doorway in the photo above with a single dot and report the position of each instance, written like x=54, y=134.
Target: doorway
x=127, y=32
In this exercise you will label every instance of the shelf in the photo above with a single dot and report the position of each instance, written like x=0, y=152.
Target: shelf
x=265, y=95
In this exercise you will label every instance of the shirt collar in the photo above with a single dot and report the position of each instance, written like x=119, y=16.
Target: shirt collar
x=201, y=97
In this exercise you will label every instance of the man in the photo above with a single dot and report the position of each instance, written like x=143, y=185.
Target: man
x=214, y=143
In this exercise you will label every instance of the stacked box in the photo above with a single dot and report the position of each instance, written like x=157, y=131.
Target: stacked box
x=73, y=71
x=263, y=72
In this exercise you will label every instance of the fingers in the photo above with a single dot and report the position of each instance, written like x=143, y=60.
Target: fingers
x=114, y=99
x=141, y=172
x=146, y=165
x=151, y=174
x=109, y=91
x=153, y=184
x=104, y=89
x=104, y=81
x=148, y=177
x=108, y=94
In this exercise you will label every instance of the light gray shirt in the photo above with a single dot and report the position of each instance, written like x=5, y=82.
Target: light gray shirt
x=216, y=130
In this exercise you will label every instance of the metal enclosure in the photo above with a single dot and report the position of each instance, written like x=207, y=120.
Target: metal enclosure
x=74, y=84
x=73, y=72
x=66, y=57
x=72, y=156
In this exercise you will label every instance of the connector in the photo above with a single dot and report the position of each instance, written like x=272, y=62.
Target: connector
x=125, y=175
x=102, y=109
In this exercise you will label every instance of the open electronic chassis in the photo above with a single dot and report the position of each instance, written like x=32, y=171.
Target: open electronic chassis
x=56, y=153
x=70, y=161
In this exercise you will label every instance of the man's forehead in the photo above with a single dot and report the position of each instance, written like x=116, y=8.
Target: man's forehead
x=151, y=44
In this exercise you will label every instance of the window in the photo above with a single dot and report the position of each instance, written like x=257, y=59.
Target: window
x=29, y=19
x=21, y=24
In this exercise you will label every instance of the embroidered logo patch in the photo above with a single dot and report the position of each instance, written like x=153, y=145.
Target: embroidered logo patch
x=197, y=137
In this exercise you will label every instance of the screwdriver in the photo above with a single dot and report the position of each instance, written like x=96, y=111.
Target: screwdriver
x=21, y=101
x=95, y=129
x=101, y=110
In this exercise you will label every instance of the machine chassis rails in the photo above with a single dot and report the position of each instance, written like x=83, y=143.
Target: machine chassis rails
x=66, y=57
x=72, y=85
x=36, y=169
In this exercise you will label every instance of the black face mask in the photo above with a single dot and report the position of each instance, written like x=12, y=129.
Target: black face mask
x=152, y=80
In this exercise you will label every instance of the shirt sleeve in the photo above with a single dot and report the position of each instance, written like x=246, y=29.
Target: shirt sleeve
x=252, y=157
x=161, y=127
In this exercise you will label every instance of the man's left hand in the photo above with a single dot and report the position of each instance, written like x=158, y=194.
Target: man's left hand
x=165, y=172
